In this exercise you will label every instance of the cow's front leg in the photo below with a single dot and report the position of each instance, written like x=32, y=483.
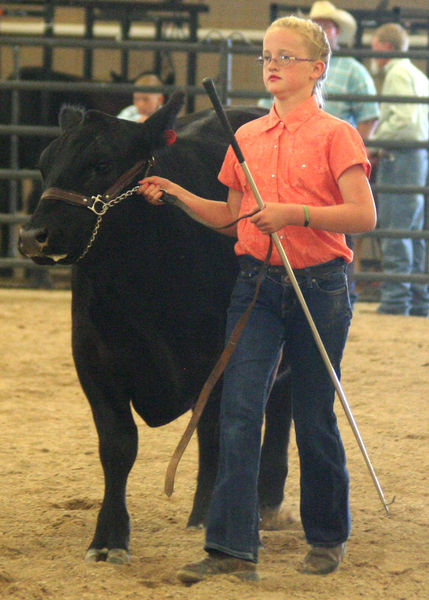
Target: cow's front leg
x=106, y=386
x=118, y=450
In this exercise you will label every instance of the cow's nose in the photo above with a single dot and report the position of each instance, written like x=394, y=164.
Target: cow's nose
x=32, y=241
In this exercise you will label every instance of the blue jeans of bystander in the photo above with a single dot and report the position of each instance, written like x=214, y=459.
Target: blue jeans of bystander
x=403, y=211
x=278, y=323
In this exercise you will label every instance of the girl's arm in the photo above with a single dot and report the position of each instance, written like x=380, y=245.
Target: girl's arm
x=356, y=215
x=215, y=213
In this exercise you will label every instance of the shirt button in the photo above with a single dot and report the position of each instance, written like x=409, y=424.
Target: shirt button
x=275, y=146
x=273, y=175
x=282, y=237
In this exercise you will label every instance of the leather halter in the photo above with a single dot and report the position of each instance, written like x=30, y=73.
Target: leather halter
x=101, y=203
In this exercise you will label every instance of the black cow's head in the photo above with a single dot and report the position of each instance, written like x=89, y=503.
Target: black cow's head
x=92, y=153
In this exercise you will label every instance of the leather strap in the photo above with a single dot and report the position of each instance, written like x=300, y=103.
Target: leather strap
x=211, y=381
x=77, y=199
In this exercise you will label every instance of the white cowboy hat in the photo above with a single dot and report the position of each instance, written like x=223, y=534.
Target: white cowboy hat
x=345, y=21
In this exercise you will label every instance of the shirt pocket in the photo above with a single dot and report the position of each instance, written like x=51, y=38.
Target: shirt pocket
x=309, y=171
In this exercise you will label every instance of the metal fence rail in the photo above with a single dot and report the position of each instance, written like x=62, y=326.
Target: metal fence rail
x=225, y=50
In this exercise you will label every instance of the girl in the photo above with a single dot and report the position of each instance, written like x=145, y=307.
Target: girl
x=311, y=170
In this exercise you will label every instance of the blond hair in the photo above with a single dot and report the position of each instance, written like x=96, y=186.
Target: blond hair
x=393, y=34
x=315, y=41
x=148, y=79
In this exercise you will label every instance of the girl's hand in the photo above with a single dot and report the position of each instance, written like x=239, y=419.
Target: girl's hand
x=271, y=218
x=152, y=188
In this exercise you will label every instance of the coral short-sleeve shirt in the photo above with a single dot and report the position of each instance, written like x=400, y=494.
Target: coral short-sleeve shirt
x=298, y=160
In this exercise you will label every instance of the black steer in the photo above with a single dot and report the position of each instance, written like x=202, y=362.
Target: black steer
x=150, y=288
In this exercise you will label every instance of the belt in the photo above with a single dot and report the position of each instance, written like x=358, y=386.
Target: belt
x=333, y=266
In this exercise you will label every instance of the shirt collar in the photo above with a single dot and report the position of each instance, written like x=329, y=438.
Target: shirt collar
x=294, y=119
x=393, y=62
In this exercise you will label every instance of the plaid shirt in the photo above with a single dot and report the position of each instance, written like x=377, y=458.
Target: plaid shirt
x=348, y=76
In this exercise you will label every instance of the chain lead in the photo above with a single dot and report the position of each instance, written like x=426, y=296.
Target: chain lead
x=106, y=205
x=100, y=212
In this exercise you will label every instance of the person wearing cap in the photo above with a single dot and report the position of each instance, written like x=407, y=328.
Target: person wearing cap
x=402, y=122
x=346, y=75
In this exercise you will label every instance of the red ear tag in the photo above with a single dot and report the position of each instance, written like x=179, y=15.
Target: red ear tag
x=170, y=136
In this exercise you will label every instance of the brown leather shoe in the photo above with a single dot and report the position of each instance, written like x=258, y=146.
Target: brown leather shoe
x=218, y=565
x=321, y=560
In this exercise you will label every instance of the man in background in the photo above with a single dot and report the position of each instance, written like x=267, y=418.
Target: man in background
x=401, y=122
x=346, y=75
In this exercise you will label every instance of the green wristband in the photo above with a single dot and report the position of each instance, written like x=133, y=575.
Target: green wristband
x=307, y=216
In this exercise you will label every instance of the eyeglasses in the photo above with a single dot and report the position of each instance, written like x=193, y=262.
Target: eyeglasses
x=282, y=60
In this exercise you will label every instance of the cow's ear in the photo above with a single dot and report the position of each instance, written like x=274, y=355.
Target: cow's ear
x=163, y=119
x=70, y=117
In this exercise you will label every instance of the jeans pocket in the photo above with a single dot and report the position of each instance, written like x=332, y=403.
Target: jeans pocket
x=331, y=284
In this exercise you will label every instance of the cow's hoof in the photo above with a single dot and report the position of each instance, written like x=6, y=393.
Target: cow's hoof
x=276, y=518
x=96, y=555
x=198, y=526
x=116, y=556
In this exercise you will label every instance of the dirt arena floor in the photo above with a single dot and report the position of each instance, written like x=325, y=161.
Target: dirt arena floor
x=51, y=480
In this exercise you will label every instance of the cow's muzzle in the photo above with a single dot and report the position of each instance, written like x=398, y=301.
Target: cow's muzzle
x=33, y=243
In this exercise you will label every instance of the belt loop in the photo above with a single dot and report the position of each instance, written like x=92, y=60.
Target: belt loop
x=309, y=277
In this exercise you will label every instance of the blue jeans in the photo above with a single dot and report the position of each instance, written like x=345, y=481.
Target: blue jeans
x=278, y=323
x=403, y=211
